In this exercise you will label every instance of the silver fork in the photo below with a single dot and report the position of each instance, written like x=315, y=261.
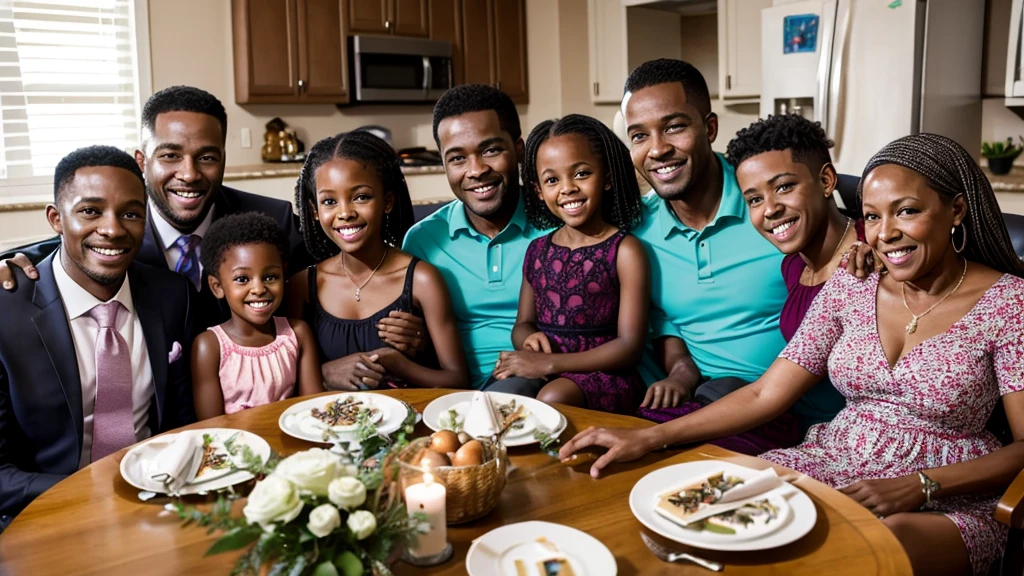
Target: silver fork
x=668, y=556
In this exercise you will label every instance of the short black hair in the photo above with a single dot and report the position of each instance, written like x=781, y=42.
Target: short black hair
x=620, y=205
x=183, y=99
x=366, y=148
x=475, y=98
x=98, y=155
x=238, y=230
x=667, y=70
x=805, y=139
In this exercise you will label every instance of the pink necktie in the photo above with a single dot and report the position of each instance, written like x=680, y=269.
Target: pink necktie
x=113, y=423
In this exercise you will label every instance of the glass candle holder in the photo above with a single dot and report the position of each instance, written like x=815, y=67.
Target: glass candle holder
x=424, y=492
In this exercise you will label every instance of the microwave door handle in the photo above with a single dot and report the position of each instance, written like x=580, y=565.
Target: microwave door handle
x=427, y=73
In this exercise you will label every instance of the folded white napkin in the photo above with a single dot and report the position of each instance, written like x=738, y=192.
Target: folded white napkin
x=480, y=419
x=752, y=488
x=176, y=465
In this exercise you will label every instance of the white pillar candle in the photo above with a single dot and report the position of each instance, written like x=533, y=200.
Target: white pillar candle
x=428, y=498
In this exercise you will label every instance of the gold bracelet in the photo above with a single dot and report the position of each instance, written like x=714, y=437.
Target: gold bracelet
x=928, y=486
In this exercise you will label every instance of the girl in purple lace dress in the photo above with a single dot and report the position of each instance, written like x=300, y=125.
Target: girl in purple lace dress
x=586, y=286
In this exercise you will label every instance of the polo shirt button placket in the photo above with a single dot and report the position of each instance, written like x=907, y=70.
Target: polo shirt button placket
x=494, y=263
x=704, y=262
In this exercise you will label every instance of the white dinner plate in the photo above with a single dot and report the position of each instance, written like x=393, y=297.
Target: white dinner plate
x=495, y=553
x=298, y=421
x=136, y=462
x=799, y=521
x=539, y=415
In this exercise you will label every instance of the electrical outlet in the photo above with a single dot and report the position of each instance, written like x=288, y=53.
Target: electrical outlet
x=246, y=138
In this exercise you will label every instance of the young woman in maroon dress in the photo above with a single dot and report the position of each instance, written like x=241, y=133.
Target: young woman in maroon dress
x=583, y=307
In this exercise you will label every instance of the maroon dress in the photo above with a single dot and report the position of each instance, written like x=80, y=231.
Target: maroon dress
x=576, y=294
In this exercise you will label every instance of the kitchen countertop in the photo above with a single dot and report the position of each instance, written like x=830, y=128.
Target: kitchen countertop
x=291, y=169
x=1012, y=182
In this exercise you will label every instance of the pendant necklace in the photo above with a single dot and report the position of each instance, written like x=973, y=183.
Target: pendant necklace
x=912, y=326
x=834, y=252
x=359, y=287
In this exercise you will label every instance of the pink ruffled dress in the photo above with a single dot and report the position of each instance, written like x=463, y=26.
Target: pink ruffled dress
x=254, y=376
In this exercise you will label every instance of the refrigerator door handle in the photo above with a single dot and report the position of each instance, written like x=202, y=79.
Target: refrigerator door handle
x=828, y=25
x=836, y=79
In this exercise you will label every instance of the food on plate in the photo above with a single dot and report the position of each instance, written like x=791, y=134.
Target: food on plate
x=760, y=512
x=507, y=410
x=683, y=502
x=469, y=454
x=342, y=412
x=444, y=441
x=214, y=456
x=555, y=567
x=555, y=563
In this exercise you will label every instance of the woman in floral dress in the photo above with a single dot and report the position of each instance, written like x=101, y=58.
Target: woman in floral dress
x=922, y=353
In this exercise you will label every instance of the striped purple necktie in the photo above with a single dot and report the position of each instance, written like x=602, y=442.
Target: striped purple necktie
x=188, y=262
x=113, y=423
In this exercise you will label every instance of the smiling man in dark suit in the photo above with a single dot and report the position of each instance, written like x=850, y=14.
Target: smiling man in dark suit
x=182, y=157
x=94, y=354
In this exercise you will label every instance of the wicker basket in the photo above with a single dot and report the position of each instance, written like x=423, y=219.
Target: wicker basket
x=472, y=491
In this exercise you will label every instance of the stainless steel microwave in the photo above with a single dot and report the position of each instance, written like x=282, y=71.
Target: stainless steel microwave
x=389, y=69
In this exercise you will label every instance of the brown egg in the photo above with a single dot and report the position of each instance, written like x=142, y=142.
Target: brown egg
x=463, y=437
x=471, y=454
x=431, y=459
x=444, y=441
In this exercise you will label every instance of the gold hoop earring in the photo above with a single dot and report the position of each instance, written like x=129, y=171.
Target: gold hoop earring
x=952, y=239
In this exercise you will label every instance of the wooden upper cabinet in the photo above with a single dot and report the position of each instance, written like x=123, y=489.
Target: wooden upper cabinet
x=266, y=49
x=510, y=49
x=478, y=42
x=398, y=17
x=289, y=52
x=323, y=61
x=368, y=16
x=409, y=18
x=446, y=25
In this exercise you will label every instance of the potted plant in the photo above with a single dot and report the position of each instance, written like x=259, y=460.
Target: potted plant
x=1001, y=155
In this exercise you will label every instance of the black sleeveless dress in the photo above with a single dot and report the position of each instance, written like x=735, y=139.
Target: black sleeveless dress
x=340, y=337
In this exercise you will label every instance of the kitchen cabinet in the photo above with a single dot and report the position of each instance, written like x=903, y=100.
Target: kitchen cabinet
x=446, y=25
x=1015, y=57
x=289, y=52
x=398, y=17
x=739, y=48
x=608, y=44
x=493, y=46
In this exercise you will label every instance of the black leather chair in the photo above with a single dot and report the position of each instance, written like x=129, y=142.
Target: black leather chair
x=847, y=188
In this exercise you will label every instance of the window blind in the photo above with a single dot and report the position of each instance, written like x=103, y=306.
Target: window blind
x=68, y=78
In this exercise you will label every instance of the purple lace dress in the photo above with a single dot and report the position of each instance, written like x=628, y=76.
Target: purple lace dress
x=576, y=293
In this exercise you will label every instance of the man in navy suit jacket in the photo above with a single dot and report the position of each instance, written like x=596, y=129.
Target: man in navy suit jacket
x=182, y=158
x=52, y=361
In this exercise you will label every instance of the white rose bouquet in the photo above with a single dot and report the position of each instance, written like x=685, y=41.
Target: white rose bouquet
x=315, y=512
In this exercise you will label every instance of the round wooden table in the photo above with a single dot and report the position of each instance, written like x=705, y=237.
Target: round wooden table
x=94, y=523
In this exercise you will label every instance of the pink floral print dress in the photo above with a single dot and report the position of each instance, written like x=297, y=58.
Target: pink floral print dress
x=927, y=411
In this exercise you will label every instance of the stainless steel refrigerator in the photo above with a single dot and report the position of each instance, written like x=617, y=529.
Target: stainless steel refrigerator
x=875, y=70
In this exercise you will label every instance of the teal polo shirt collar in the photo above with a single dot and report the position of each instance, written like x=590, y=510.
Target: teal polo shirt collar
x=458, y=221
x=731, y=206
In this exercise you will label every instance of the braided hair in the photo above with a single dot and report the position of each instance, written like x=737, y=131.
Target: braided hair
x=369, y=150
x=951, y=171
x=620, y=205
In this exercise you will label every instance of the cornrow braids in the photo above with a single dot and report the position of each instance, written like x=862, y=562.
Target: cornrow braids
x=620, y=205
x=951, y=171
x=363, y=147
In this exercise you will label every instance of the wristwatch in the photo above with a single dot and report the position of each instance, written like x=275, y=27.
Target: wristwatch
x=928, y=486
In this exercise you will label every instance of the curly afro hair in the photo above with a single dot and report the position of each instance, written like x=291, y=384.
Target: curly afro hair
x=805, y=139
x=667, y=70
x=475, y=98
x=620, y=205
x=98, y=155
x=183, y=99
x=238, y=230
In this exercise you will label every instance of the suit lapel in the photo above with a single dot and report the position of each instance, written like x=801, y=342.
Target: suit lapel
x=151, y=252
x=148, y=308
x=54, y=330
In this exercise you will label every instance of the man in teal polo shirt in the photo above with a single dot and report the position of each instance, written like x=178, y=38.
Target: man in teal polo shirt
x=715, y=281
x=479, y=241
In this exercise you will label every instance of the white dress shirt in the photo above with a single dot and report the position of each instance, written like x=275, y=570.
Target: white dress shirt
x=84, y=330
x=168, y=235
